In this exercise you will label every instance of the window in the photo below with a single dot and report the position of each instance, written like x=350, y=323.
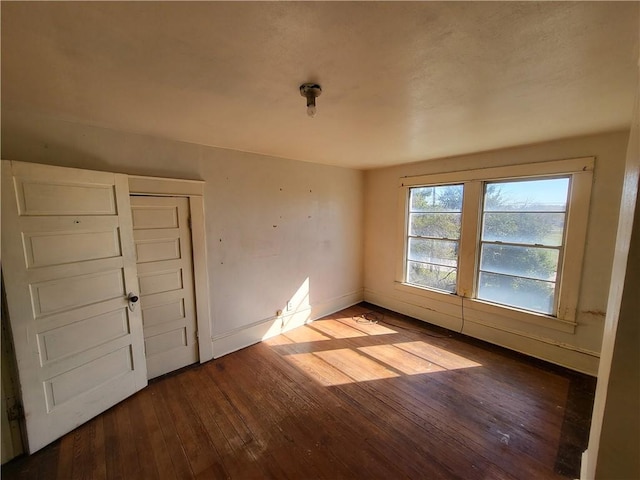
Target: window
x=521, y=242
x=433, y=238
x=502, y=238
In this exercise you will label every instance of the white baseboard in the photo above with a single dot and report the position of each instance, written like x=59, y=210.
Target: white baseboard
x=584, y=465
x=247, y=335
x=431, y=316
x=545, y=349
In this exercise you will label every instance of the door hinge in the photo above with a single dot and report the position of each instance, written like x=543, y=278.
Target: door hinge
x=15, y=412
x=197, y=334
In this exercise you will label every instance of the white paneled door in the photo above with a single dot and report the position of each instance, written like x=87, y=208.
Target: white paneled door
x=165, y=272
x=69, y=268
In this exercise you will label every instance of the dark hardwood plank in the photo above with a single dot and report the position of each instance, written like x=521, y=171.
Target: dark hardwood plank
x=177, y=453
x=201, y=453
x=83, y=449
x=142, y=432
x=98, y=464
x=228, y=441
x=336, y=399
x=283, y=441
x=155, y=439
x=65, y=458
x=454, y=404
x=128, y=457
x=113, y=463
x=372, y=443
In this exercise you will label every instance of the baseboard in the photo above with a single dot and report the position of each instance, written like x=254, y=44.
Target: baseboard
x=413, y=310
x=248, y=335
x=535, y=346
x=541, y=348
x=584, y=465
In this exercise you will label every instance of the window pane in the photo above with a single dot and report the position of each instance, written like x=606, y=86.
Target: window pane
x=439, y=225
x=434, y=276
x=446, y=198
x=434, y=215
x=526, y=227
x=532, y=262
x=441, y=252
x=545, y=195
x=532, y=295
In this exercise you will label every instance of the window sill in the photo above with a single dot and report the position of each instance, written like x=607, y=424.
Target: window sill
x=524, y=316
x=429, y=293
x=483, y=309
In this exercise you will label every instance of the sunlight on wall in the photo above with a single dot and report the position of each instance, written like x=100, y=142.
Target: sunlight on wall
x=299, y=300
x=294, y=313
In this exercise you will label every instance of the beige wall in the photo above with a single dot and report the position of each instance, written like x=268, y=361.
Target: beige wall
x=274, y=223
x=577, y=350
x=274, y=227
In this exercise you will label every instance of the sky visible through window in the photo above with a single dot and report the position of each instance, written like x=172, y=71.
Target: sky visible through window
x=549, y=192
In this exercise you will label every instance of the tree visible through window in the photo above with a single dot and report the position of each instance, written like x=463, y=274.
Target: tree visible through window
x=503, y=236
x=434, y=236
x=521, y=243
x=521, y=240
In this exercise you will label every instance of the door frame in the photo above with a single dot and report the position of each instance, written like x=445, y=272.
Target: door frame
x=194, y=191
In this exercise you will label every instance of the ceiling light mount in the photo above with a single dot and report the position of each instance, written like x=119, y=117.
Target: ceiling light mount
x=310, y=91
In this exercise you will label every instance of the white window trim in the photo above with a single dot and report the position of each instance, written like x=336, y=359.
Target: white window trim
x=581, y=170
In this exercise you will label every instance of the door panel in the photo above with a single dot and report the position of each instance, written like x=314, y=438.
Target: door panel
x=158, y=280
x=155, y=216
x=44, y=197
x=69, y=263
x=165, y=275
x=153, y=246
x=163, y=312
x=46, y=250
x=77, y=291
x=56, y=343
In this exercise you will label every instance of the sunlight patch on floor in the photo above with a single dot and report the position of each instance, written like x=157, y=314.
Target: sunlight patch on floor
x=357, y=366
x=336, y=329
x=401, y=360
x=319, y=350
x=339, y=367
x=306, y=334
x=318, y=369
x=437, y=355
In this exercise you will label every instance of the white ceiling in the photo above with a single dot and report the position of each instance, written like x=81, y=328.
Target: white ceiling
x=401, y=82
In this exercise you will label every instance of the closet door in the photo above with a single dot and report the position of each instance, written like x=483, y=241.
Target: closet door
x=165, y=271
x=69, y=268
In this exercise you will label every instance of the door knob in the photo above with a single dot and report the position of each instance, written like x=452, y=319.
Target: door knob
x=133, y=299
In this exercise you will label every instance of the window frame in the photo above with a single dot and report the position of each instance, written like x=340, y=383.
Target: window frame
x=580, y=171
x=409, y=236
x=560, y=248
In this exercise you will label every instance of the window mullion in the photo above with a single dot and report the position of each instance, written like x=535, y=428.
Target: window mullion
x=469, y=235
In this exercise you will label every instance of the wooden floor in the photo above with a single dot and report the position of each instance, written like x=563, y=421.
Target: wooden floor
x=339, y=398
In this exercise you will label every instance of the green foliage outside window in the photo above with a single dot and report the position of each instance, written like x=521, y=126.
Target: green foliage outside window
x=434, y=221
x=519, y=245
x=519, y=267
